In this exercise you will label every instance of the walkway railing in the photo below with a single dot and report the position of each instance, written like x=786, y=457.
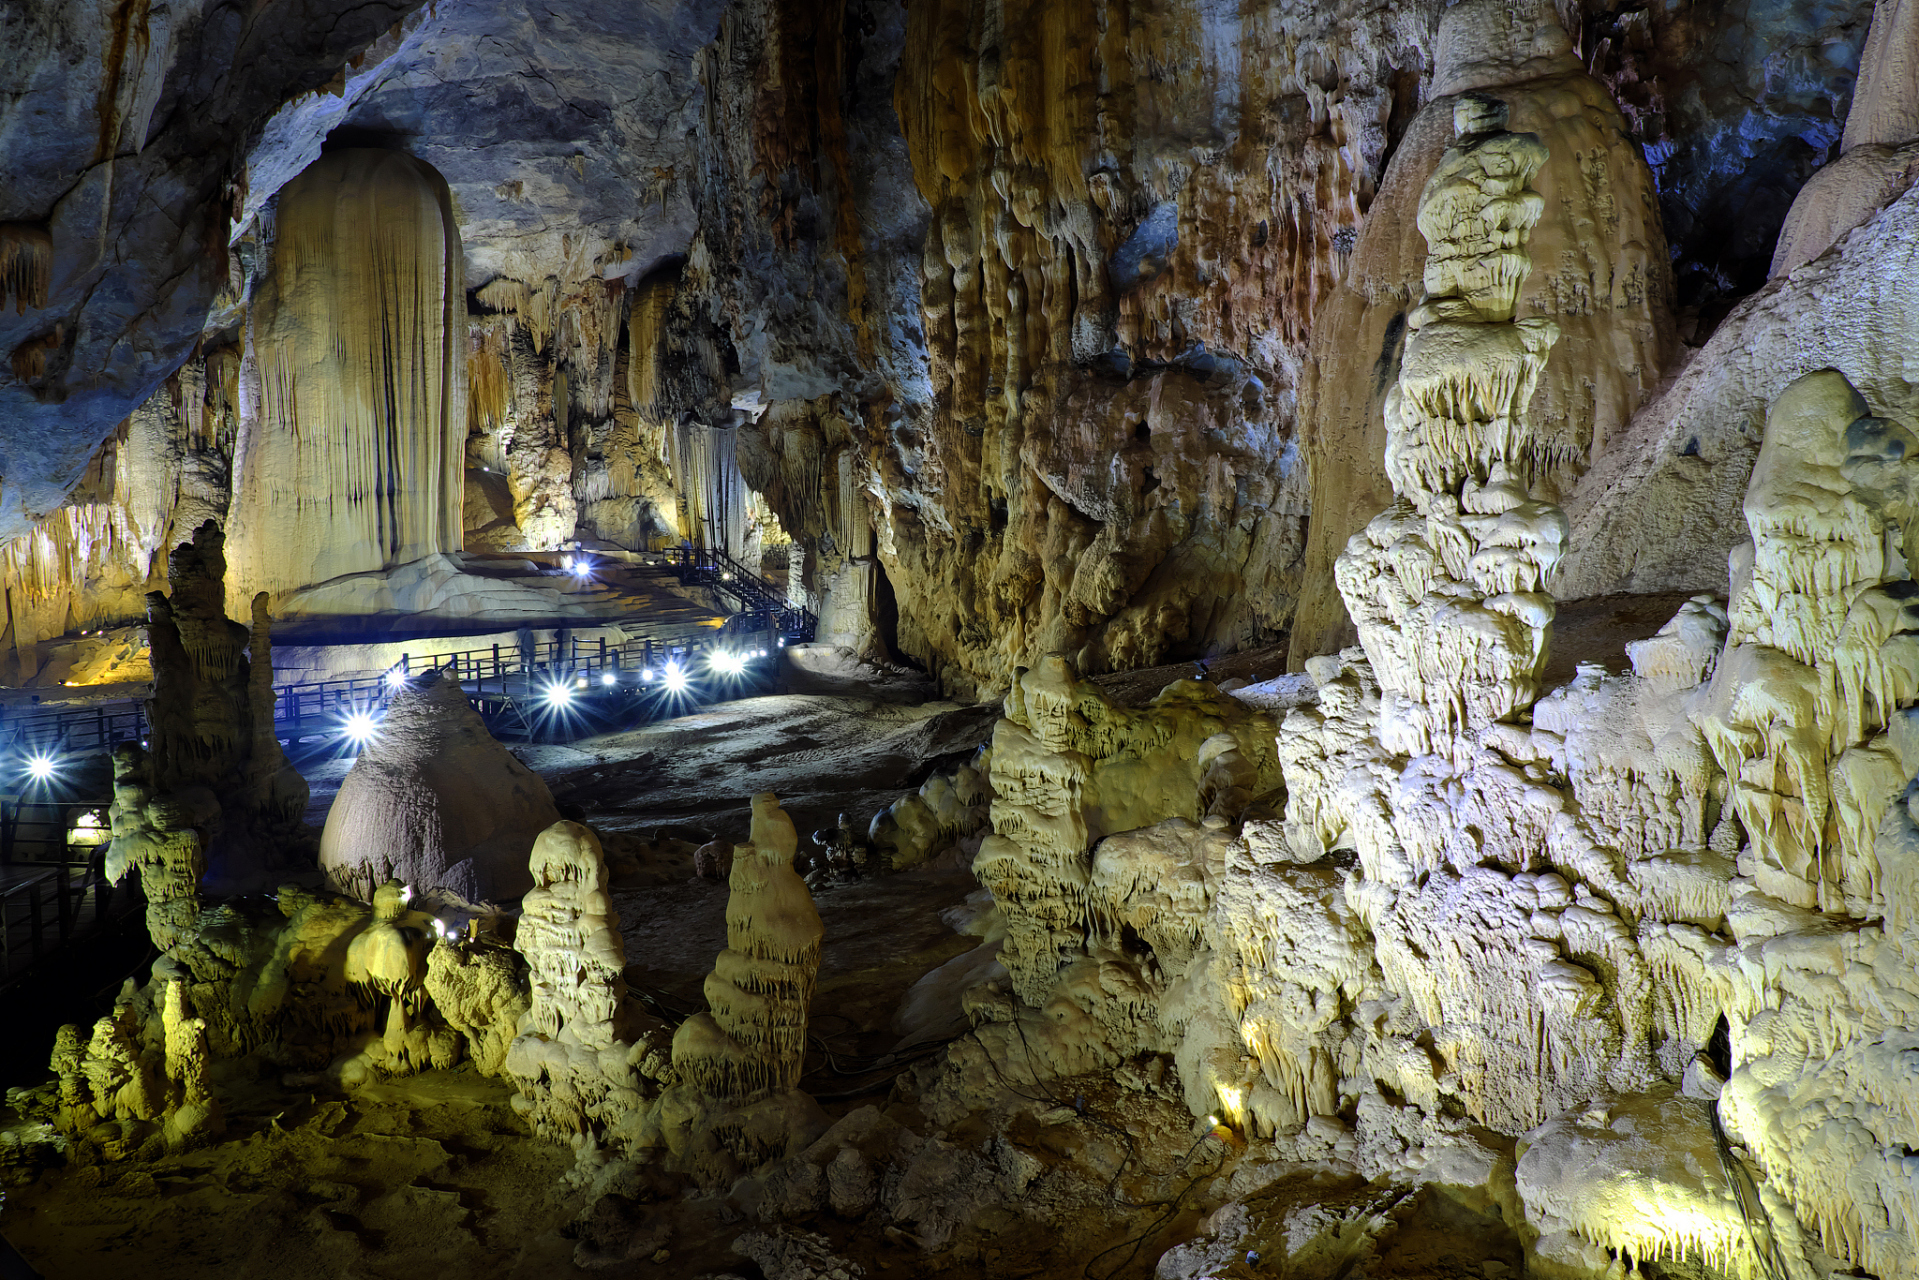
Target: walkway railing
x=496, y=677
x=47, y=877
x=757, y=598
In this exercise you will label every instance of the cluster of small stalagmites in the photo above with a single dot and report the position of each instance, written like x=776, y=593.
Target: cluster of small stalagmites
x=124, y=1091
x=1729, y=831
x=1448, y=586
x=942, y=813
x=576, y=1082
x=1070, y=766
x=386, y=967
x=753, y=1040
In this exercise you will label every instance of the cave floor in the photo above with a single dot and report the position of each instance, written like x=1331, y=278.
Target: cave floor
x=434, y=1174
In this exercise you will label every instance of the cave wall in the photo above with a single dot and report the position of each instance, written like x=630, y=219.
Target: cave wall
x=1051, y=306
x=124, y=128
x=1130, y=222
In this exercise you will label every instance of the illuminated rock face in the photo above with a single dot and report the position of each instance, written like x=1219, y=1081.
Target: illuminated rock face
x=350, y=457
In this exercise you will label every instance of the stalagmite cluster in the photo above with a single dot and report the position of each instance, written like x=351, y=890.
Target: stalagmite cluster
x=1532, y=913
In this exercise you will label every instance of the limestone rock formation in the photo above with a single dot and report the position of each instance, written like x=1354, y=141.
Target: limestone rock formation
x=942, y=812
x=754, y=1039
x=1602, y=281
x=434, y=800
x=1447, y=587
x=1662, y=509
x=122, y=129
x=571, y=1055
x=1879, y=153
x=1545, y=918
x=480, y=988
x=1070, y=767
x=215, y=778
x=352, y=459
x=1838, y=298
x=738, y=1064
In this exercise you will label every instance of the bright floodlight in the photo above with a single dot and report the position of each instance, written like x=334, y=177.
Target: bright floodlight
x=582, y=567
x=360, y=727
x=646, y=674
x=675, y=678
x=41, y=767
x=559, y=694
x=727, y=664
x=395, y=678
x=608, y=678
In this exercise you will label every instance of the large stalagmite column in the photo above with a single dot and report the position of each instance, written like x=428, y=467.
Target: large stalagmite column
x=350, y=454
x=754, y=1040
x=1448, y=585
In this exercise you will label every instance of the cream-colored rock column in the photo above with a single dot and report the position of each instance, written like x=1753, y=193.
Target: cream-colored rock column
x=350, y=450
x=1447, y=586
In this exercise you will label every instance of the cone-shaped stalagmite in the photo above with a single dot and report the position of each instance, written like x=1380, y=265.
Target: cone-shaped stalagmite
x=754, y=1040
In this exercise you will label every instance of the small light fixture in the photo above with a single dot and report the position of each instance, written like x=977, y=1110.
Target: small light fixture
x=360, y=728
x=608, y=679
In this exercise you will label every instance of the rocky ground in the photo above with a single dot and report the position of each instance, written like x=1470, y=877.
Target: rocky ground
x=963, y=1165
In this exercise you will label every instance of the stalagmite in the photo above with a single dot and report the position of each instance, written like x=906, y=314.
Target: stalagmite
x=738, y=1066
x=1447, y=587
x=754, y=1040
x=570, y=1058
x=350, y=456
x=212, y=743
x=193, y=1113
x=435, y=800
x=942, y=812
x=480, y=988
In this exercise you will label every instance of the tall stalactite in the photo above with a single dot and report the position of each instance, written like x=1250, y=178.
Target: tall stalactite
x=351, y=456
